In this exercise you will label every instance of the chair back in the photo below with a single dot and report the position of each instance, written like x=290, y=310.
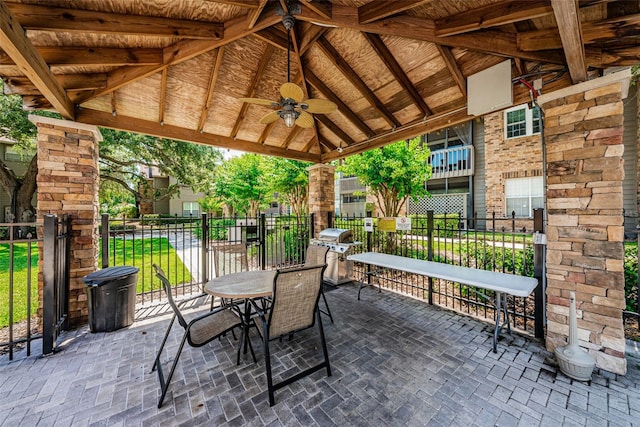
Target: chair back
x=167, y=290
x=230, y=258
x=295, y=298
x=316, y=255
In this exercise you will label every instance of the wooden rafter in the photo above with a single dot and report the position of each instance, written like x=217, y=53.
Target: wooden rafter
x=322, y=8
x=76, y=56
x=396, y=69
x=490, y=41
x=265, y=132
x=16, y=44
x=264, y=60
x=336, y=130
x=180, y=52
x=273, y=36
x=163, y=95
x=492, y=16
x=132, y=124
x=326, y=144
x=310, y=36
x=342, y=107
x=49, y=18
x=568, y=18
x=253, y=4
x=212, y=85
x=381, y=9
x=21, y=85
x=456, y=74
x=300, y=77
x=309, y=144
x=253, y=16
x=295, y=131
x=342, y=65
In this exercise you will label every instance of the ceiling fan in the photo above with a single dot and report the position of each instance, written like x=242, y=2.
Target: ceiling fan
x=292, y=107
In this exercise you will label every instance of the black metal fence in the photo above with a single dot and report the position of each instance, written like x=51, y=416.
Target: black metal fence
x=20, y=265
x=506, y=245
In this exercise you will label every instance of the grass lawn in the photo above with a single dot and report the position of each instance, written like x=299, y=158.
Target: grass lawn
x=140, y=253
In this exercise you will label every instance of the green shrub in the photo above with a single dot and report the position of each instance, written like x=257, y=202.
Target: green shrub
x=631, y=276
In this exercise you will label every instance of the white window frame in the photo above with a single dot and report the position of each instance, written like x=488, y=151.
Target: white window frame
x=528, y=113
x=527, y=189
x=190, y=206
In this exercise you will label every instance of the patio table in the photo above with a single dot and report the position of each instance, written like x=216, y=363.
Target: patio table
x=245, y=285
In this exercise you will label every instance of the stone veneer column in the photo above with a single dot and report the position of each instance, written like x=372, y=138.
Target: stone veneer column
x=583, y=138
x=68, y=176
x=321, y=194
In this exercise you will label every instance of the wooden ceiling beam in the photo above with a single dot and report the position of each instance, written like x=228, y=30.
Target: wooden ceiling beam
x=381, y=9
x=266, y=131
x=309, y=144
x=310, y=35
x=21, y=85
x=252, y=17
x=251, y=91
x=132, y=124
x=252, y=4
x=273, y=36
x=452, y=66
x=395, y=68
x=322, y=8
x=50, y=18
x=180, y=52
x=337, y=131
x=615, y=28
x=163, y=95
x=342, y=107
x=293, y=134
x=492, y=15
x=212, y=85
x=568, y=19
x=344, y=67
x=78, y=56
x=488, y=41
x=15, y=43
x=326, y=144
x=300, y=77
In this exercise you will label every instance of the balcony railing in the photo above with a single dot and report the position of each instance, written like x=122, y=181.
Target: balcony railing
x=452, y=162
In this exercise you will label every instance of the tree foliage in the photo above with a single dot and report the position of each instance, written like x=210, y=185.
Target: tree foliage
x=289, y=179
x=392, y=173
x=240, y=184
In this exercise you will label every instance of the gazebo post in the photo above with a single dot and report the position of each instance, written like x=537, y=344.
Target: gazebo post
x=321, y=194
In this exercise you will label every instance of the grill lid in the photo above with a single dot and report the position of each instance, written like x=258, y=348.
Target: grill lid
x=336, y=235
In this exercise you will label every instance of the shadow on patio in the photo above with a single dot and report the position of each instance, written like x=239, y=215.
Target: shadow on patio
x=395, y=361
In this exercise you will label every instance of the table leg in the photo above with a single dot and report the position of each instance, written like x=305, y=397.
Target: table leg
x=497, y=328
x=245, y=340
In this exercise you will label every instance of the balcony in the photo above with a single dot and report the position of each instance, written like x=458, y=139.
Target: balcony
x=452, y=162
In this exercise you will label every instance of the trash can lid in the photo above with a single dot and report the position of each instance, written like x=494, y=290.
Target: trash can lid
x=100, y=277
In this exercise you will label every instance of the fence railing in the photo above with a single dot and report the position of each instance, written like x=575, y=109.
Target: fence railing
x=23, y=256
x=506, y=245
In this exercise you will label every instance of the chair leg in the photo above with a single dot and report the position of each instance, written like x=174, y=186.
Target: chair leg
x=324, y=345
x=267, y=364
x=166, y=335
x=165, y=384
x=326, y=304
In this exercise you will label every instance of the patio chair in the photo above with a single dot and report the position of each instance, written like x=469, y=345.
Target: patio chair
x=294, y=307
x=198, y=330
x=316, y=255
x=229, y=259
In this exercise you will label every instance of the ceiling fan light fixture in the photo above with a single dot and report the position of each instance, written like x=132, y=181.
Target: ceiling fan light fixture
x=290, y=118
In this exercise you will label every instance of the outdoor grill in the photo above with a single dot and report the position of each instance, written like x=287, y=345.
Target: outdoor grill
x=340, y=242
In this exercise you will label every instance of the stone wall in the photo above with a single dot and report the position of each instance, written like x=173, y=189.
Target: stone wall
x=505, y=159
x=321, y=195
x=68, y=178
x=585, y=229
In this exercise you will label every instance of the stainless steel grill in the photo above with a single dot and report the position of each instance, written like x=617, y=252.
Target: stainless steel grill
x=340, y=242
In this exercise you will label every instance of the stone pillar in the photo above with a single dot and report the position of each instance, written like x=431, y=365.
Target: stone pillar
x=68, y=176
x=321, y=194
x=585, y=231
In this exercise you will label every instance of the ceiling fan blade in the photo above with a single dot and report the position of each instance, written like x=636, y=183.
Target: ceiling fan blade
x=270, y=118
x=305, y=120
x=293, y=91
x=320, y=106
x=260, y=101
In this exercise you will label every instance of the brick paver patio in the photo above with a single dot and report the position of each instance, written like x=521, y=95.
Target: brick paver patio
x=396, y=361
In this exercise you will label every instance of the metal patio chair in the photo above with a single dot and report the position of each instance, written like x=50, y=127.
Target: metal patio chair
x=198, y=330
x=317, y=255
x=294, y=307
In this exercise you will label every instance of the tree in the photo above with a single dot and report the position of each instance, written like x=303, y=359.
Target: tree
x=290, y=180
x=392, y=173
x=123, y=155
x=240, y=184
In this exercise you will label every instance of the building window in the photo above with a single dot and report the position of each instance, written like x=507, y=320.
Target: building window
x=350, y=198
x=190, y=208
x=523, y=195
x=522, y=121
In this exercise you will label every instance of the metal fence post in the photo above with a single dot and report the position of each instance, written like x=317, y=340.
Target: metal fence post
x=312, y=225
x=262, y=240
x=49, y=303
x=430, y=238
x=538, y=272
x=205, y=248
x=105, y=240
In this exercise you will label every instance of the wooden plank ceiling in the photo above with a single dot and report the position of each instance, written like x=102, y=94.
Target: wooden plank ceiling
x=395, y=69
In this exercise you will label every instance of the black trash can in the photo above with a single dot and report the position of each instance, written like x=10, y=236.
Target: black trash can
x=111, y=297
